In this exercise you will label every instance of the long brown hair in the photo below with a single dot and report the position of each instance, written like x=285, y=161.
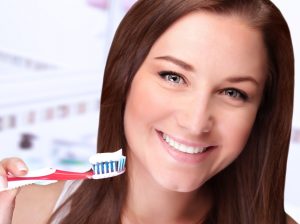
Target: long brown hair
x=251, y=189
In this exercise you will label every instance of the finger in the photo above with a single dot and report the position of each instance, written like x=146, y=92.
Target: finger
x=3, y=181
x=9, y=197
x=7, y=205
x=15, y=166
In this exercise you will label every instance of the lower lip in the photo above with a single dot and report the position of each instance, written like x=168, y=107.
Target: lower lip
x=182, y=156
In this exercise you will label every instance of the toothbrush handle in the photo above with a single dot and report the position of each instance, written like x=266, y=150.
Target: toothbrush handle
x=57, y=175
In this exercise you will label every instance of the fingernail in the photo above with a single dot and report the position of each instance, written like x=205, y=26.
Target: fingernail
x=21, y=167
x=3, y=183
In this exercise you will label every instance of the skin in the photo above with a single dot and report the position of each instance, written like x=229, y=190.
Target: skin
x=20, y=204
x=214, y=60
x=213, y=54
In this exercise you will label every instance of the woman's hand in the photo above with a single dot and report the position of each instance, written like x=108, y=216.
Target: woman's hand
x=16, y=167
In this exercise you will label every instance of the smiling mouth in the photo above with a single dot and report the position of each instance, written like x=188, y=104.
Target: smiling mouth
x=182, y=147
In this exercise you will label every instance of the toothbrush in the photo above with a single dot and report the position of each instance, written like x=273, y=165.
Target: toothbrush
x=104, y=165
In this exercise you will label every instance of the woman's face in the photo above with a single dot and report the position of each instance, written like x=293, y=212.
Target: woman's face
x=193, y=101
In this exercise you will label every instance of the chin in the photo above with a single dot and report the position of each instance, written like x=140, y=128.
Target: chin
x=179, y=186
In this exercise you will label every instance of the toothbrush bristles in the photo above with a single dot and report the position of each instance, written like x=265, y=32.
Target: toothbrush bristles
x=109, y=167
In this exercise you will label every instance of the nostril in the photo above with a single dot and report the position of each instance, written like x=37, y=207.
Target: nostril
x=196, y=116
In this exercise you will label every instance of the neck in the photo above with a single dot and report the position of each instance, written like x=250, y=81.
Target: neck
x=147, y=202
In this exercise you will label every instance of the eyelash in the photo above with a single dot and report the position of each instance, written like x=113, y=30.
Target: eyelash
x=168, y=74
x=238, y=94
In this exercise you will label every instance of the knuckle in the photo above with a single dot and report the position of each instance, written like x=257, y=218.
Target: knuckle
x=10, y=164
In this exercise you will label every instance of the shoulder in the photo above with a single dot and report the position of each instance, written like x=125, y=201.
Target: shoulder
x=35, y=203
x=289, y=220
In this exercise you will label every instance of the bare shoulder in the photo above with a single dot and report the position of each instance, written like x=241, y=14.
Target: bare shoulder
x=289, y=220
x=35, y=203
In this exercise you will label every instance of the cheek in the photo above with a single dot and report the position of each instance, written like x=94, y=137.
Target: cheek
x=140, y=111
x=236, y=130
x=145, y=104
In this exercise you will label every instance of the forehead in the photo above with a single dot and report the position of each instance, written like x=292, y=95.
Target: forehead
x=225, y=40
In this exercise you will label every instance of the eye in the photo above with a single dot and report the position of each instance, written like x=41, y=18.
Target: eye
x=236, y=94
x=172, y=77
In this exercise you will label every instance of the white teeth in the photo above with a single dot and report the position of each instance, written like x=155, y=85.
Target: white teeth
x=181, y=147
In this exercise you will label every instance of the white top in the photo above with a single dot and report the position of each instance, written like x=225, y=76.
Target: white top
x=69, y=188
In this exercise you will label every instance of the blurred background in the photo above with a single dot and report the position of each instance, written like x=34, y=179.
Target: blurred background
x=52, y=56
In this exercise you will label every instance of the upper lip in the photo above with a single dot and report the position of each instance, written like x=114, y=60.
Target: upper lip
x=187, y=142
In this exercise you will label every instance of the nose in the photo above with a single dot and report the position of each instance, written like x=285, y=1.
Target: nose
x=195, y=114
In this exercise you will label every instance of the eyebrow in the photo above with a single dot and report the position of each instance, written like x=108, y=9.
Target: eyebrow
x=242, y=79
x=189, y=67
x=177, y=61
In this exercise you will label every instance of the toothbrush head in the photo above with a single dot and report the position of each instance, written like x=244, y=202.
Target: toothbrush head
x=106, y=165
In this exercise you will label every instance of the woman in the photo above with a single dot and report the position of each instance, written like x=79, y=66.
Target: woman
x=193, y=92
